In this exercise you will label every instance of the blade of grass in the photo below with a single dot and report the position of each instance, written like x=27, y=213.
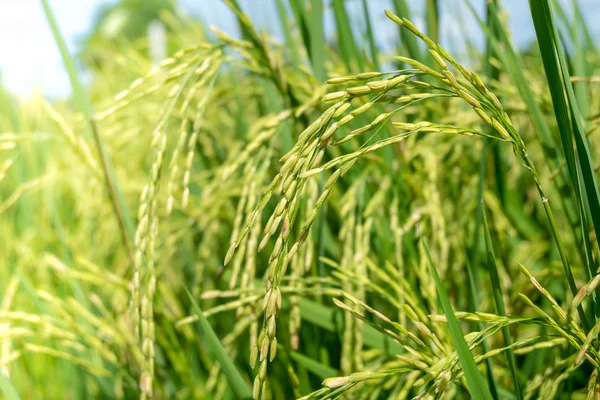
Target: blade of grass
x=290, y=40
x=474, y=299
x=433, y=19
x=371, y=36
x=326, y=318
x=475, y=381
x=566, y=109
x=499, y=301
x=82, y=100
x=300, y=14
x=570, y=127
x=578, y=61
x=590, y=45
x=351, y=55
x=7, y=388
x=321, y=370
x=317, y=40
x=214, y=345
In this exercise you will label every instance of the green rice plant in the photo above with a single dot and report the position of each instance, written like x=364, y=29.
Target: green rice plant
x=291, y=185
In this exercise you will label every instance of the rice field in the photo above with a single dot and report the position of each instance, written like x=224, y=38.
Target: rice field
x=308, y=216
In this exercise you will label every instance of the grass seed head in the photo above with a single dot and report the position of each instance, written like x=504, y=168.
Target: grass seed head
x=394, y=17
x=334, y=96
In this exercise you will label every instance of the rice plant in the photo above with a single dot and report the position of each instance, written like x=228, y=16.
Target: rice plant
x=308, y=216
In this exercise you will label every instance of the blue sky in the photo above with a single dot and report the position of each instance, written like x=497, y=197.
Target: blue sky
x=30, y=62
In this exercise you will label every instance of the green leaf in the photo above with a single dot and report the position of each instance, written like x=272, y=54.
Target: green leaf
x=290, y=40
x=499, y=301
x=214, y=345
x=474, y=300
x=433, y=20
x=569, y=120
x=371, y=36
x=351, y=55
x=321, y=370
x=578, y=61
x=565, y=107
x=7, y=388
x=301, y=20
x=317, y=40
x=506, y=53
x=326, y=318
x=475, y=380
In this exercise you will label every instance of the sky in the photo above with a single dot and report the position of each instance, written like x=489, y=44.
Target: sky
x=30, y=61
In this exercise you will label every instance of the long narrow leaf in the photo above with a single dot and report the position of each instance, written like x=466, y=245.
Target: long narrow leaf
x=475, y=381
x=499, y=301
x=370, y=35
x=326, y=318
x=474, y=299
x=290, y=40
x=572, y=204
x=433, y=20
x=321, y=370
x=317, y=40
x=351, y=55
x=214, y=345
x=566, y=108
x=7, y=388
x=569, y=122
x=301, y=20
